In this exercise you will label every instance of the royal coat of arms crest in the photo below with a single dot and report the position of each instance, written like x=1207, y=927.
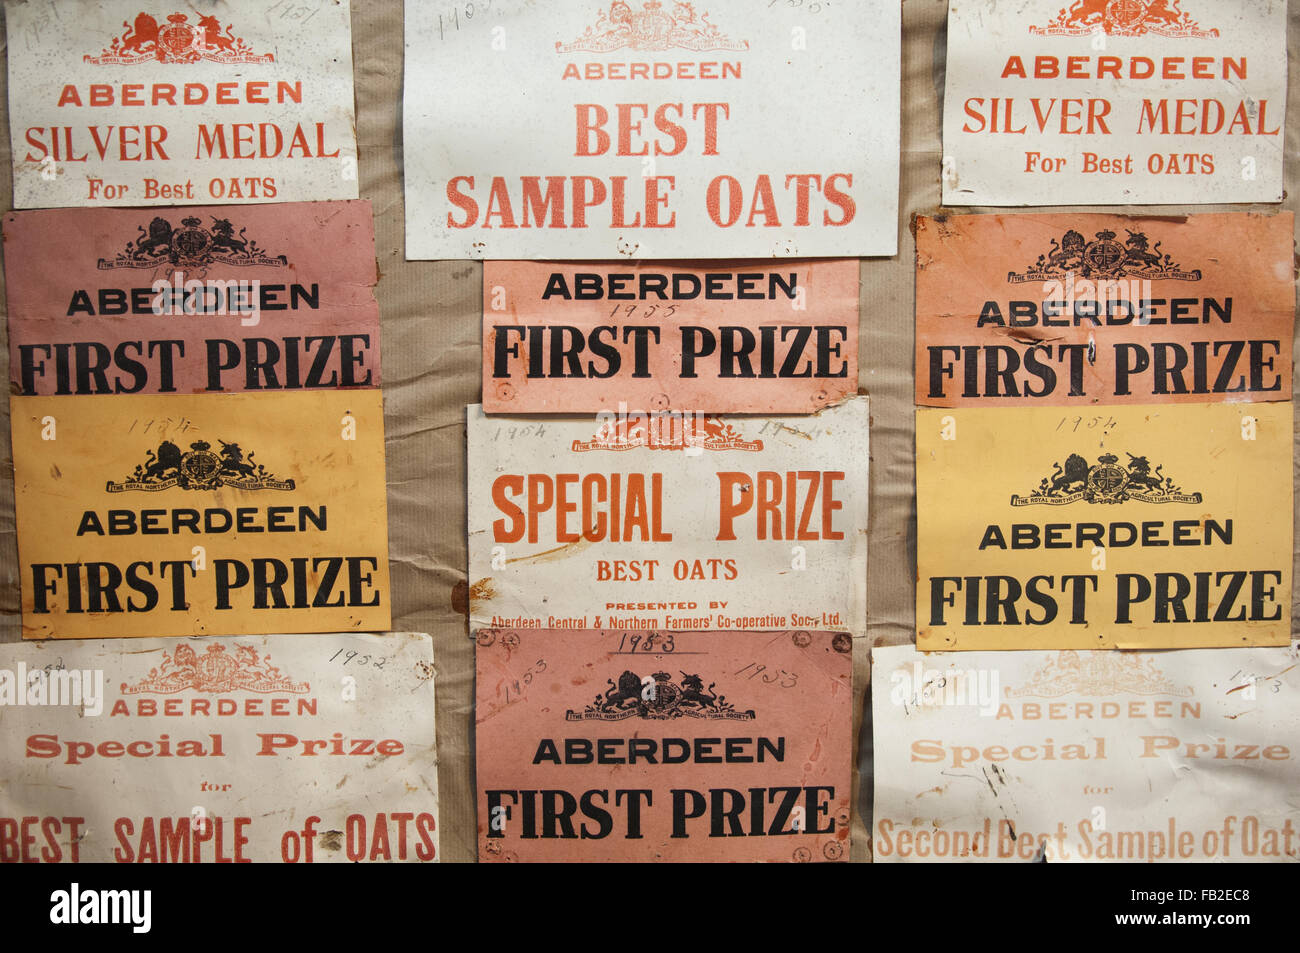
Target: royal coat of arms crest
x=1096, y=674
x=667, y=432
x=1105, y=481
x=651, y=29
x=1104, y=258
x=191, y=245
x=177, y=41
x=1124, y=18
x=199, y=468
x=659, y=698
x=216, y=671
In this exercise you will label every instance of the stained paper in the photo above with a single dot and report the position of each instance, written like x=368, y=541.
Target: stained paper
x=1114, y=102
x=217, y=514
x=192, y=300
x=730, y=338
x=653, y=130
x=686, y=746
x=122, y=103
x=669, y=522
x=264, y=748
x=1085, y=757
x=1117, y=527
x=1093, y=310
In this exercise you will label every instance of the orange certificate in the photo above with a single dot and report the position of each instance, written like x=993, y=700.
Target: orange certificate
x=219, y=514
x=1084, y=310
x=1126, y=527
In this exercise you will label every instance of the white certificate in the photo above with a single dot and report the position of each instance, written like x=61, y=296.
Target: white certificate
x=669, y=522
x=1086, y=756
x=219, y=750
x=1114, y=102
x=119, y=103
x=584, y=129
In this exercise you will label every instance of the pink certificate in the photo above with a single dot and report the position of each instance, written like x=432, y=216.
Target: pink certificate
x=657, y=745
x=770, y=337
x=200, y=299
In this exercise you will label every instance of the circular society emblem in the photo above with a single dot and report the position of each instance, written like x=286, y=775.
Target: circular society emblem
x=177, y=36
x=201, y=467
x=664, y=698
x=1107, y=479
x=1126, y=14
x=190, y=242
x=1105, y=256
